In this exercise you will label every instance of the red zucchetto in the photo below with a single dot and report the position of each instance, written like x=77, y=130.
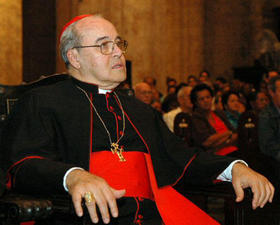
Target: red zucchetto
x=72, y=21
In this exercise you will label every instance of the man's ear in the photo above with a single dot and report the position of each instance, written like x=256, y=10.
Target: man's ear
x=73, y=58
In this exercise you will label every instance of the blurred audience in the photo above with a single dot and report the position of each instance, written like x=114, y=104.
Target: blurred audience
x=157, y=95
x=143, y=92
x=210, y=129
x=192, y=80
x=269, y=122
x=182, y=121
x=258, y=101
x=231, y=105
x=221, y=84
x=185, y=105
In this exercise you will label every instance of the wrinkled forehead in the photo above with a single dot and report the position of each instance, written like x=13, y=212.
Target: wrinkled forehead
x=94, y=30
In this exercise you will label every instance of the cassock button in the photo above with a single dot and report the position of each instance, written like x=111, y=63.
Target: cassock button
x=140, y=216
x=121, y=133
x=119, y=117
x=111, y=108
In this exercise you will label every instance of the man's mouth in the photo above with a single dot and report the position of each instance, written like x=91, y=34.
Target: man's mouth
x=117, y=66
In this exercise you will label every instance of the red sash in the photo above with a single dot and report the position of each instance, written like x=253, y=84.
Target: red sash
x=136, y=175
x=131, y=175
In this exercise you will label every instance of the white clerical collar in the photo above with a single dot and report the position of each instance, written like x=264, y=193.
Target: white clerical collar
x=103, y=91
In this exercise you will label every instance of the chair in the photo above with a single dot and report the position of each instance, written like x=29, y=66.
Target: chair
x=15, y=208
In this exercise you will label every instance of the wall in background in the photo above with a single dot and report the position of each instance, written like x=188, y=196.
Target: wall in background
x=10, y=42
x=166, y=38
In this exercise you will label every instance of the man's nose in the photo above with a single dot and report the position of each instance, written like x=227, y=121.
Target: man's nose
x=117, y=52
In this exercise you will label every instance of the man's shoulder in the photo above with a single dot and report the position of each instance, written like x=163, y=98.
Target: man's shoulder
x=54, y=89
x=50, y=94
x=173, y=112
x=269, y=112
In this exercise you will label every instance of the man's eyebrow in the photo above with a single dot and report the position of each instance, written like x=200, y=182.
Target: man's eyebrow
x=101, y=38
x=118, y=37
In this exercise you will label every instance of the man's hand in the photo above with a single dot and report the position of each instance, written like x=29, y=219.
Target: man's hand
x=243, y=177
x=80, y=182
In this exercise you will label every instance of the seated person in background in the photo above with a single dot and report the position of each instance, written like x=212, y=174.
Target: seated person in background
x=143, y=92
x=152, y=82
x=185, y=105
x=258, y=101
x=269, y=122
x=231, y=105
x=82, y=137
x=170, y=101
x=211, y=129
x=182, y=121
x=192, y=81
x=204, y=77
x=249, y=120
x=221, y=84
x=248, y=124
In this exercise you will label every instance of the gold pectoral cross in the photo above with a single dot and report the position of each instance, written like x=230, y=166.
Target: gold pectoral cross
x=119, y=150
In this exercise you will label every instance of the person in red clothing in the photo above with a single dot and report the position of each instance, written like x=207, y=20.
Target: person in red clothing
x=82, y=137
x=211, y=129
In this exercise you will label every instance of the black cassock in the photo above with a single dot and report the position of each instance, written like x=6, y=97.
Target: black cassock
x=50, y=131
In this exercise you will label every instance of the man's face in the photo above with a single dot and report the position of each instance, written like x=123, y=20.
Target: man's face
x=106, y=71
x=276, y=95
x=192, y=82
x=143, y=92
x=233, y=103
x=204, y=100
x=203, y=77
x=261, y=101
x=185, y=100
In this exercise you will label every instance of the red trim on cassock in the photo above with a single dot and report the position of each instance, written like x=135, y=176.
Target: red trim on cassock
x=131, y=175
x=137, y=211
x=184, y=170
x=9, y=177
x=115, y=115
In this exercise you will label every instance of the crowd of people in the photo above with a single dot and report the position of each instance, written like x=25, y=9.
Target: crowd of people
x=227, y=117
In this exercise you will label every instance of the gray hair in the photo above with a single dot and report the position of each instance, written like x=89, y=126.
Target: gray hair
x=182, y=91
x=69, y=39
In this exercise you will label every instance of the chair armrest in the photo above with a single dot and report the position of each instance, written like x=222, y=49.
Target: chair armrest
x=17, y=208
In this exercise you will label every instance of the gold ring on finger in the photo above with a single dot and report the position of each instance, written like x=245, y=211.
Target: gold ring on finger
x=89, y=197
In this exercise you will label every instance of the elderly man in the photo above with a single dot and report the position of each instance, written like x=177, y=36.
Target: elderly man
x=114, y=152
x=185, y=105
x=143, y=92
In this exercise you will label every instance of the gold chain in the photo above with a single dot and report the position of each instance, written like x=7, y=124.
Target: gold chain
x=115, y=148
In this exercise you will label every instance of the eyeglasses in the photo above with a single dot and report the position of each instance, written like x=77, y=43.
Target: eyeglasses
x=108, y=47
